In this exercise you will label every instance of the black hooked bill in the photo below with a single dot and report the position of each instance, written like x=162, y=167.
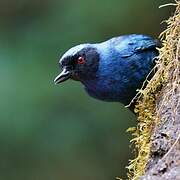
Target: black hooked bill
x=63, y=76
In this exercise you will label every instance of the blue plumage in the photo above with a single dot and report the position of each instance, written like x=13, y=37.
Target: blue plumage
x=111, y=70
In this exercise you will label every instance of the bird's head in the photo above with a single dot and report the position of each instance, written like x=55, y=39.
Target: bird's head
x=79, y=63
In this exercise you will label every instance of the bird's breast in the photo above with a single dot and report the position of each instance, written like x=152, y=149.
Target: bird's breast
x=103, y=90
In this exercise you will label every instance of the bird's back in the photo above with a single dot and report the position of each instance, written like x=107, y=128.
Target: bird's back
x=127, y=45
x=127, y=62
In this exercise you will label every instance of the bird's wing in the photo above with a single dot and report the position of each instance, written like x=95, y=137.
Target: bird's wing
x=128, y=45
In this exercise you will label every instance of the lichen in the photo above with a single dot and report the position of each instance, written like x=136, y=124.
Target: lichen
x=167, y=66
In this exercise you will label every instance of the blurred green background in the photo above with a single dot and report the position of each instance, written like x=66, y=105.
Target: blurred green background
x=50, y=132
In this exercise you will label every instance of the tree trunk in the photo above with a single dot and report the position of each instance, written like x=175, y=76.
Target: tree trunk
x=164, y=159
x=157, y=136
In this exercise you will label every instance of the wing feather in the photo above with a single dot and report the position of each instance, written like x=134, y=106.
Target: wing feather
x=128, y=45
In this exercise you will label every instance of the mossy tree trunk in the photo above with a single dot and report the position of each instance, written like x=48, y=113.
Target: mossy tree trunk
x=164, y=159
x=157, y=136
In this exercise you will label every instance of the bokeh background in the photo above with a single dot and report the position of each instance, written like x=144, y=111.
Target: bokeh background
x=50, y=132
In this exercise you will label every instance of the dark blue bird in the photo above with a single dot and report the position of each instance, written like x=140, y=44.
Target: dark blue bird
x=111, y=70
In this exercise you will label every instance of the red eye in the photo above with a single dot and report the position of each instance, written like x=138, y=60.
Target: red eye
x=81, y=60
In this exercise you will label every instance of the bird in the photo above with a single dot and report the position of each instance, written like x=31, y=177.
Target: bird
x=112, y=70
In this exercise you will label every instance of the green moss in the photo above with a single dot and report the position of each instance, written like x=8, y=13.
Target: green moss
x=148, y=115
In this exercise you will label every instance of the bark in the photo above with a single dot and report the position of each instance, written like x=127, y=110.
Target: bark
x=164, y=160
x=157, y=135
x=164, y=156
